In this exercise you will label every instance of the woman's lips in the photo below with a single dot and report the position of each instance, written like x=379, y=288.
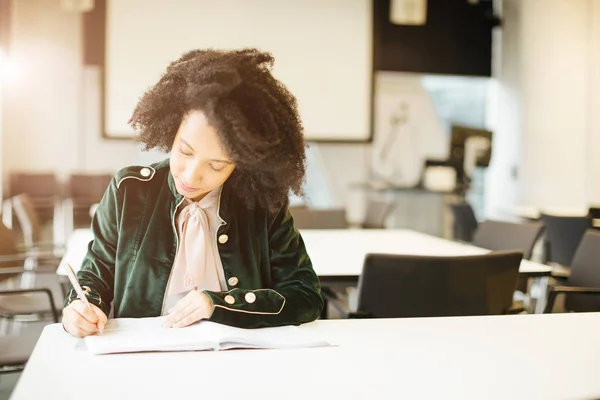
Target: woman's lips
x=186, y=187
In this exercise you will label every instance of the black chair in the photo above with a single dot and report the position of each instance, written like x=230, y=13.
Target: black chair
x=394, y=286
x=465, y=223
x=15, y=349
x=500, y=235
x=582, y=288
x=25, y=283
x=305, y=218
x=377, y=213
x=563, y=234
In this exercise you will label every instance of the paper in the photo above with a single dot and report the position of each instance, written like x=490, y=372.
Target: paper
x=125, y=335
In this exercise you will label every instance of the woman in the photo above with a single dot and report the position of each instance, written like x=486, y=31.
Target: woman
x=205, y=234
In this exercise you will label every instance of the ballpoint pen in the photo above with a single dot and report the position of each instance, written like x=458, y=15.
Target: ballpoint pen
x=75, y=283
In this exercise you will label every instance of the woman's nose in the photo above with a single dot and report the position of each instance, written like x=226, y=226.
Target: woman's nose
x=191, y=176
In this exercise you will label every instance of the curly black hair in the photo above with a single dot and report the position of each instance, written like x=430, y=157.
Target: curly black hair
x=255, y=115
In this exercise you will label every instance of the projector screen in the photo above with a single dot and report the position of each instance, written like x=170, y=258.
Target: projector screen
x=322, y=50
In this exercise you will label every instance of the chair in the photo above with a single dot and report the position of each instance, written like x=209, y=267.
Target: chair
x=500, y=235
x=465, y=222
x=42, y=188
x=377, y=213
x=582, y=287
x=31, y=227
x=16, y=348
x=305, y=218
x=26, y=273
x=396, y=286
x=85, y=190
x=563, y=234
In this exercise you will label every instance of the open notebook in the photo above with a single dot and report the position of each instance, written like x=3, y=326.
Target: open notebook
x=126, y=335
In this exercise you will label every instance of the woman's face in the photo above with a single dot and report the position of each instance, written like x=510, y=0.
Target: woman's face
x=198, y=162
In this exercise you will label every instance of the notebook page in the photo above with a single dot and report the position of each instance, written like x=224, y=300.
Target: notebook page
x=282, y=337
x=125, y=335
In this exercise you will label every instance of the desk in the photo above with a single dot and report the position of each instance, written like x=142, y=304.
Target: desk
x=550, y=356
x=341, y=253
x=534, y=213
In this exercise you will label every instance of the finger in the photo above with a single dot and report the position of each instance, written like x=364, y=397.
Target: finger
x=190, y=319
x=102, y=318
x=73, y=317
x=77, y=331
x=181, y=314
x=181, y=304
x=85, y=311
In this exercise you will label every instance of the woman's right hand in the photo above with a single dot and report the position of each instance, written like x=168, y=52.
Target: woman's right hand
x=80, y=321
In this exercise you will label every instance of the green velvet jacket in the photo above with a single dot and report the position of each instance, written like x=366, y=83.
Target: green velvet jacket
x=269, y=275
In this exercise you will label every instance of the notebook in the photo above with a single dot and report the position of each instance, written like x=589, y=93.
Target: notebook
x=127, y=335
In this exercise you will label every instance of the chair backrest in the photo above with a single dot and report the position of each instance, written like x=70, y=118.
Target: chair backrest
x=465, y=222
x=595, y=212
x=28, y=219
x=585, y=272
x=88, y=187
x=377, y=212
x=563, y=234
x=393, y=286
x=35, y=185
x=305, y=218
x=500, y=235
x=8, y=246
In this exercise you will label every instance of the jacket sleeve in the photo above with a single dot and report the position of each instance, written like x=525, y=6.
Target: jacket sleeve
x=294, y=297
x=97, y=272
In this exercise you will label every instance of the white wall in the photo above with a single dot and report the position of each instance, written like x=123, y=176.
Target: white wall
x=548, y=123
x=51, y=113
x=593, y=166
x=504, y=116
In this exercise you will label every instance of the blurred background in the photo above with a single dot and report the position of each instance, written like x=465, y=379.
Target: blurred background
x=410, y=106
x=385, y=89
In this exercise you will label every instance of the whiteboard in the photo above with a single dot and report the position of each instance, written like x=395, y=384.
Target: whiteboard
x=322, y=50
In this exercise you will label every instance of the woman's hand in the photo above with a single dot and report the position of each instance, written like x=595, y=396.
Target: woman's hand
x=192, y=308
x=80, y=321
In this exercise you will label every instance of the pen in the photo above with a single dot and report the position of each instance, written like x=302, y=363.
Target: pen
x=75, y=283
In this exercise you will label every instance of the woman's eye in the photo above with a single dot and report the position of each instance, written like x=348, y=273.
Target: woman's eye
x=217, y=169
x=183, y=152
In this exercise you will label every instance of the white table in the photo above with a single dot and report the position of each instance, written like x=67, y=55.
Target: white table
x=501, y=357
x=76, y=249
x=341, y=253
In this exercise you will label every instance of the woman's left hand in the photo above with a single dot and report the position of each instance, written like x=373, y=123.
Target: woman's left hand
x=192, y=308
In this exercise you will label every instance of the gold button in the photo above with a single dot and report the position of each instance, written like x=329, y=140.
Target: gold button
x=145, y=172
x=223, y=239
x=233, y=281
x=250, y=297
x=229, y=299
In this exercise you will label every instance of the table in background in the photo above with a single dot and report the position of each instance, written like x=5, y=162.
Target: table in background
x=550, y=356
x=340, y=253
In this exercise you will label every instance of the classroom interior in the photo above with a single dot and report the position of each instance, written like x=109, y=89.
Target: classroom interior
x=452, y=175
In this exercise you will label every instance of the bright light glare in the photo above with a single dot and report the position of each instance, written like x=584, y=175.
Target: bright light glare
x=8, y=69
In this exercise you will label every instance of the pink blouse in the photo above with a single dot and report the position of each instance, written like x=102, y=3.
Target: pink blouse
x=197, y=264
